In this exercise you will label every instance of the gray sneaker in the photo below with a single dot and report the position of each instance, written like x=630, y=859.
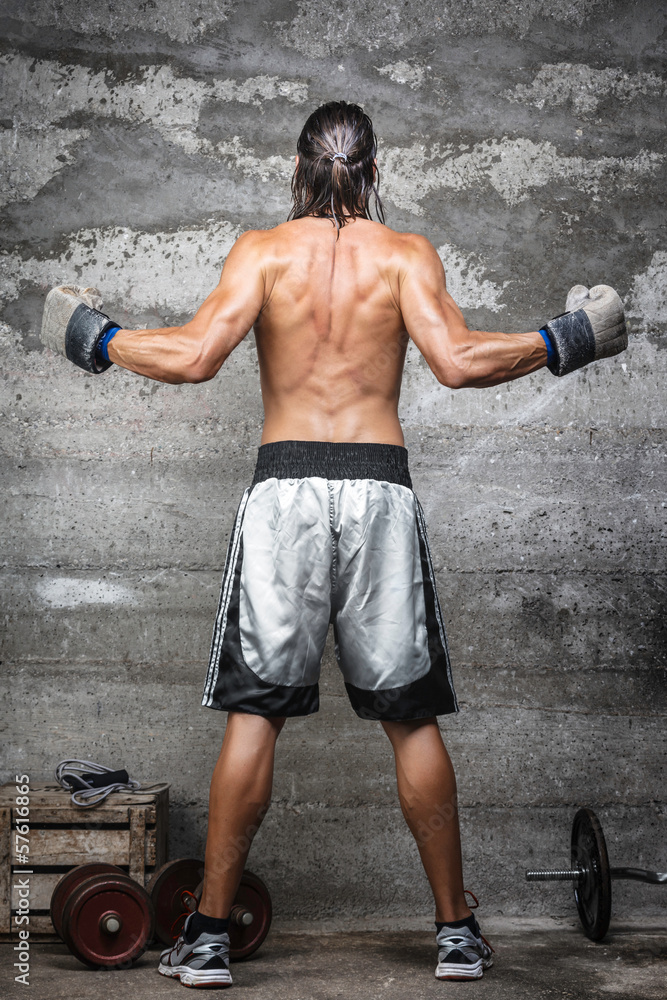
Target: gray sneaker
x=462, y=954
x=202, y=962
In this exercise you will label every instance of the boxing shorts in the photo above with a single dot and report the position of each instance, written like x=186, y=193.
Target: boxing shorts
x=330, y=533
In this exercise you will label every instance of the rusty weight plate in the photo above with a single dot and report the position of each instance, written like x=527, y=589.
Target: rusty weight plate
x=252, y=899
x=171, y=889
x=108, y=921
x=69, y=881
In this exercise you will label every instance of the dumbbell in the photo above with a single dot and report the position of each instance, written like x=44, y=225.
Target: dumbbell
x=592, y=875
x=105, y=918
x=175, y=890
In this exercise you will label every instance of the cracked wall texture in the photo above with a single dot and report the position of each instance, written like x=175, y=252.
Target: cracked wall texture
x=526, y=140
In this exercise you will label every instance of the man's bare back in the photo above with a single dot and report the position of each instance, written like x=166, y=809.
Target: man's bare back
x=332, y=315
x=330, y=337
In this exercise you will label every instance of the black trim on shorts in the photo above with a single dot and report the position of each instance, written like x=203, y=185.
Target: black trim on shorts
x=333, y=460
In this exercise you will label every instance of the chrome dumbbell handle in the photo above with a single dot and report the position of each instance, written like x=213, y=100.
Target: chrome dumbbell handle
x=560, y=875
x=241, y=916
x=574, y=874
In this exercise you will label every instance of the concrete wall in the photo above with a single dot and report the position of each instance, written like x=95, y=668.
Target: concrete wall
x=525, y=140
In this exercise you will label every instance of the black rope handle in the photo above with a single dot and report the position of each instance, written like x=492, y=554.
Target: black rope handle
x=90, y=783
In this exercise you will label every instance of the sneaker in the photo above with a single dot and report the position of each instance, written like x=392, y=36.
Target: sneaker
x=202, y=962
x=462, y=954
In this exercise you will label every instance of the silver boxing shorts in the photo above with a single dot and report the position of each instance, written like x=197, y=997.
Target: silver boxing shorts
x=330, y=532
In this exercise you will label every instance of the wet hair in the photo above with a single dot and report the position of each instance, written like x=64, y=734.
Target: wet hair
x=335, y=177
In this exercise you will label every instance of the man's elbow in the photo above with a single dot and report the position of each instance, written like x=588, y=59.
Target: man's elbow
x=453, y=374
x=458, y=368
x=453, y=380
x=197, y=374
x=201, y=369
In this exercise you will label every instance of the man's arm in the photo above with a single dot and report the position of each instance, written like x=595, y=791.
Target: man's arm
x=195, y=351
x=457, y=356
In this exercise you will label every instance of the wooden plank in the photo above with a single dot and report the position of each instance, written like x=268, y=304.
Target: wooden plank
x=79, y=847
x=40, y=923
x=5, y=870
x=50, y=794
x=120, y=815
x=137, y=849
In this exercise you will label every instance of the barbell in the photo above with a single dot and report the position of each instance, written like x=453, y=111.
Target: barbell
x=592, y=874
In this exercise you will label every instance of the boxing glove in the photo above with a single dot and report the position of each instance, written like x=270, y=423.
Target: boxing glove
x=72, y=325
x=591, y=328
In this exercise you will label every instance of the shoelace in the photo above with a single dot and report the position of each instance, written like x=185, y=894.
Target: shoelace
x=186, y=914
x=471, y=893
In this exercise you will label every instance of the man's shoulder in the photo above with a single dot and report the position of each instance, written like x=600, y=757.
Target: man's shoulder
x=261, y=240
x=416, y=244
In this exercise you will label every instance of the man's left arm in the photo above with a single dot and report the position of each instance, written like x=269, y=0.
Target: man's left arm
x=193, y=352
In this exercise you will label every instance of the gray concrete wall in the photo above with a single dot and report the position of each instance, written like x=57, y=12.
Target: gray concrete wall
x=526, y=141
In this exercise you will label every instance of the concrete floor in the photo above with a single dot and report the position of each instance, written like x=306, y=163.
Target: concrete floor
x=534, y=959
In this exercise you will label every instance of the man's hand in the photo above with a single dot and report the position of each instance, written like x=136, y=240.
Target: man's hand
x=592, y=328
x=72, y=325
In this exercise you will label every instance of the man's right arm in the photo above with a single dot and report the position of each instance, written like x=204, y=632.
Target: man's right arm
x=457, y=356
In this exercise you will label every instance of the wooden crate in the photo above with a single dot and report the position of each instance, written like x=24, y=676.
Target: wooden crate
x=126, y=829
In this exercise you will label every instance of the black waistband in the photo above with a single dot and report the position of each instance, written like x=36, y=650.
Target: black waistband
x=332, y=460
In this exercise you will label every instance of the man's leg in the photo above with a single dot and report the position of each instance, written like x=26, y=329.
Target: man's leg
x=427, y=792
x=239, y=799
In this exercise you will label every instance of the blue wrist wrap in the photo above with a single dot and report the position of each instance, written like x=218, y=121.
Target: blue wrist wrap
x=103, y=342
x=551, y=354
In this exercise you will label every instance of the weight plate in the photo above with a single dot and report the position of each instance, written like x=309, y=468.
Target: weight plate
x=168, y=889
x=252, y=896
x=69, y=881
x=107, y=921
x=592, y=892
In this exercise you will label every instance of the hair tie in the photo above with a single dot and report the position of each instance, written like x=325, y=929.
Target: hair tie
x=339, y=156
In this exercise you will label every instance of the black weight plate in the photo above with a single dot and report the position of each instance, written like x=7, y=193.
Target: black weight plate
x=83, y=922
x=592, y=892
x=252, y=895
x=168, y=889
x=68, y=882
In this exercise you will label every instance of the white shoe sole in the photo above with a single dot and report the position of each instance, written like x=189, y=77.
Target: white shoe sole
x=192, y=977
x=456, y=970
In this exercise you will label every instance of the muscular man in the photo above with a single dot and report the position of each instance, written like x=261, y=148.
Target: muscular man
x=330, y=529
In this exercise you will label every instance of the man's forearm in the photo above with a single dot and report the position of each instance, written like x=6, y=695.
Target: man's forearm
x=486, y=359
x=169, y=354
